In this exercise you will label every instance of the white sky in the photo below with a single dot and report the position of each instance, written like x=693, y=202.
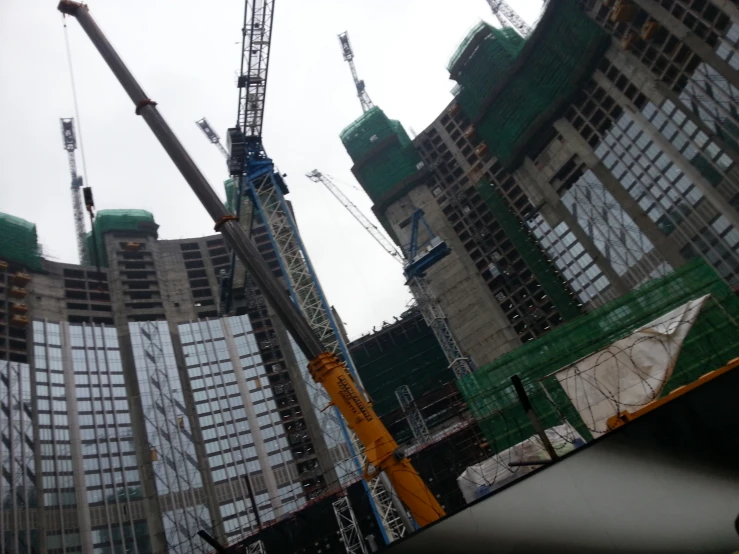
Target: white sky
x=185, y=54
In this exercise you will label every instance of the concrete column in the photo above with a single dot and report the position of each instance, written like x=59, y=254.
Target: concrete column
x=662, y=243
x=306, y=407
x=710, y=193
x=529, y=181
x=694, y=42
x=197, y=433
x=143, y=454
x=251, y=414
x=75, y=442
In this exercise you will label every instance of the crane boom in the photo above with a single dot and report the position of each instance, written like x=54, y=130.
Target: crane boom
x=318, y=177
x=70, y=145
x=380, y=448
x=502, y=9
x=346, y=49
x=212, y=136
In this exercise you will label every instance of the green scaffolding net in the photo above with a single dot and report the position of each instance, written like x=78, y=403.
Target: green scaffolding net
x=482, y=61
x=534, y=90
x=712, y=341
x=394, y=160
x=19, y=242
x=554, y=286
x=125, y=221
x=230, y=187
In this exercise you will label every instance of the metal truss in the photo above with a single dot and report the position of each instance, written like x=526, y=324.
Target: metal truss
x=413, y=414
x=252, y=83
x=435, y=318
x=346, y=49
x=256, y=548
x=501, y=9
x=70, y=145
x=305, y=290
x=350, y=533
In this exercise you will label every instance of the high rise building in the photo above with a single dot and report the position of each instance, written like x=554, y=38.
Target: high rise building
x=571, y=166
x=132, y=415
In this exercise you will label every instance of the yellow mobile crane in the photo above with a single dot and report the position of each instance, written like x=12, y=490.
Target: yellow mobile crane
x=381, y=450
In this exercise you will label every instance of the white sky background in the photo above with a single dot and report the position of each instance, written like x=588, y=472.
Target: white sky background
x=186, y=54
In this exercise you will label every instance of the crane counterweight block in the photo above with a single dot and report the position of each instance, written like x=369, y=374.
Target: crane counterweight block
x=381, y=450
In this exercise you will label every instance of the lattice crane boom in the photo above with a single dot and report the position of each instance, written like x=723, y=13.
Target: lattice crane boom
x=346, y=49
x=318, y=177
x=70, y=145
x=252, y=81
x=212, y=135
x=502, y=10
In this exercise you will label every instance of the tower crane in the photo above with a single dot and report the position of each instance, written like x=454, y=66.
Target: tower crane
x=70, y=145
x=346, y=49
x=415, y=266
x=506, y=15
x=305, y=312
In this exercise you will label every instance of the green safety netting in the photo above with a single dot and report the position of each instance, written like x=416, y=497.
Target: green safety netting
x=406, y=355
x=547, y=73
x=711, y=343
x=19, y=242
x=395, y=160
x=138, y=221
x=230, y=187
x=370, y=129
x=560, y=294
x=482, y=61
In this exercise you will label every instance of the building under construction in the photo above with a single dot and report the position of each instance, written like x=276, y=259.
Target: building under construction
x=583, y=183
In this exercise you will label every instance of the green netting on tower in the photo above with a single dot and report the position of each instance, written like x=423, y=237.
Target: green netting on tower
x=395, y=160
x=405, y=354
x=367, y=131
x=554, y=286
x=547, y=73
x=131, y=221
x=19, y=242
x=712, y=341
x=482, y=61
x=230, y=187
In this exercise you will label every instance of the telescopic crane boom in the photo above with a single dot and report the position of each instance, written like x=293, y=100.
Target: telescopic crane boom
x=381, y=449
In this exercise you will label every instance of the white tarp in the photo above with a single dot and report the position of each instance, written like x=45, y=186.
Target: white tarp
x=481, y=479
x=630, y=373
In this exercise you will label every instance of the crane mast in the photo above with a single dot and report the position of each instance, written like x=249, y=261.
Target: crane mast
x=506, y=15
x=346, y=49
x=70, y=145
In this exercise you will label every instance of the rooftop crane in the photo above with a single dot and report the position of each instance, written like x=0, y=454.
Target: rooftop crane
x=70, y=145
x=506, y=15
x=305, y=323
x=346, y=49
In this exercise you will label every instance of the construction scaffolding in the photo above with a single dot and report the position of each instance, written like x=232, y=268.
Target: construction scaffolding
x=19, y=242
x=382, y=152
x=106, y=221
x=511, y=88
x=711, y=341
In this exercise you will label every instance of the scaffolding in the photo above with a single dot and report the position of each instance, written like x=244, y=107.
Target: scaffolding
x=511, y=88
x=711, y=341
x=127, y=221
x=19, y=242
x=393, y=157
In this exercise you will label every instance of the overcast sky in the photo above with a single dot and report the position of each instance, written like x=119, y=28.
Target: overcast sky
x=185, y=54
